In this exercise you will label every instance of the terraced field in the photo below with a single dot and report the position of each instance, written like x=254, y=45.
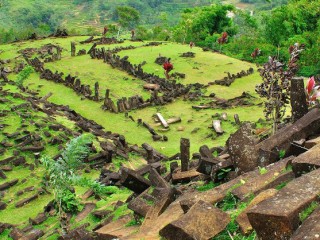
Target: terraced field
x=50, y=123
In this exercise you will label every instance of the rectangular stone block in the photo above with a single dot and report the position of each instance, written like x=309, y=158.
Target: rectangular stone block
x=203, y=221
x=310, y=228
x=278, y=217
x=307, y=161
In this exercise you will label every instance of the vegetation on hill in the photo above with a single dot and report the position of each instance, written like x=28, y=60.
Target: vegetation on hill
x=203, y=22
x=31, y=121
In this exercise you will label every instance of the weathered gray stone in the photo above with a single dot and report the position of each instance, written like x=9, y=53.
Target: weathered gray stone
x=269, y=177
x=202, y=221
x=241, y=149
x=298, y=99
x=307, y=161
x=278, y=217
x=133, y=180
x=310, y=228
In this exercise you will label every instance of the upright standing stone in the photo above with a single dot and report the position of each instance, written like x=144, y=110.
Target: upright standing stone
x=96, y=91
x=149, y=150
x=107, y=93
x=184, y=153
x=298, y=99
x=73, y=49
x=236, y=119
x=58, y=53
x=104, y=54
x=241, y=149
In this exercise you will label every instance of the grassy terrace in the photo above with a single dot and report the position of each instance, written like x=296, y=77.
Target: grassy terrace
x=205, y=67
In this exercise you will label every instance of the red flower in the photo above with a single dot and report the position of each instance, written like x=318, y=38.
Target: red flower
x=310, y=85
x=312, y=91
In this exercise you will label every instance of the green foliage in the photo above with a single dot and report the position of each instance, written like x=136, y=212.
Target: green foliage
x=262, y=170
x=23, y=75
x=136, y=221
x=69, y=202
x=282, y=153
x=229, y=202
x=62, y=172
x=281, y=185
x=306, y=212
x=127, y=16
x=199, y=23
x=222, y=173
x=206, y=187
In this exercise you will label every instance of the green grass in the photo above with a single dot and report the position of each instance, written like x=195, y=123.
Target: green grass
x=210, y=67
x=306, y=212
x=191, y=118
x=205, y=67
x=5, y=235
x=206, y=187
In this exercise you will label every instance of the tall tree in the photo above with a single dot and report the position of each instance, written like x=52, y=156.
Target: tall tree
x=200, y=22
x=127, y=16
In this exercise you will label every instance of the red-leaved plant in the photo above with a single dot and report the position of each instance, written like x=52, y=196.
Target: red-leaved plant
x=312, y=91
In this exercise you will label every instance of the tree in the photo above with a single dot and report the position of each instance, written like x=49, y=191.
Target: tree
x=62, y=176
x=200, y=22
x=276, y=85
x=127, y=16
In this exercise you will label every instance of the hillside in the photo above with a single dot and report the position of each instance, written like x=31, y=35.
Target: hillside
x=171, y=131
x=89, y=16
x=80, y=15
x=46, y=121
x=145, y=129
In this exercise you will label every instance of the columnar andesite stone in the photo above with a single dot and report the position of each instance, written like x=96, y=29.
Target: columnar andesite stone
x=307, y=161
x=298, y=99
x=202, y=221
x=184, y=153
x=241, y=149
x=278, y=217
x=310, y=228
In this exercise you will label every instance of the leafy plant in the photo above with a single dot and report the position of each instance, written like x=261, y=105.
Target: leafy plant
x=282, y=153
x=229, y=202
x=206, y=187
x=62, y=175
x=262, y=170
x=23, y=75
x=276, y=85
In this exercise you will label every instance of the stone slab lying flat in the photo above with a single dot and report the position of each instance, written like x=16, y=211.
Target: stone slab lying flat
x=185, y=177
x=116, y=229
x=26, y=200
x=310, y=228
x=132, y=180
x=139, y=206
x=312, y=142
x=243, y=219
x=278, y=217
x=9, y=184
x=88, y=207
x=307, y=161
x=203, y=221
x=274, y=175
x=150, y=229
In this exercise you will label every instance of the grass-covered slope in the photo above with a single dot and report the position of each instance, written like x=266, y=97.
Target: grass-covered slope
x=204, y=68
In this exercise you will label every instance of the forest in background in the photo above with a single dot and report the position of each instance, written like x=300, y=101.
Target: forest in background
x=271, y=26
